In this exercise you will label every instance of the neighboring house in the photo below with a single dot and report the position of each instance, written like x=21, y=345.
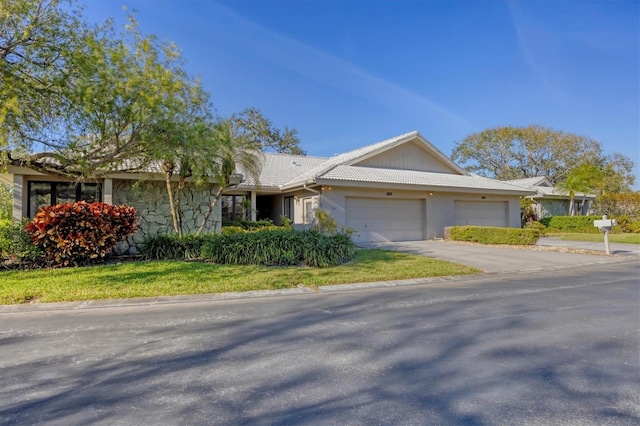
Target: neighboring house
x=399, y=189
x=550, y=201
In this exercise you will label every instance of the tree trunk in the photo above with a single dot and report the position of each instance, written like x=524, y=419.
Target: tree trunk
x=178, y=201
x=213, y=204
x=172, y=205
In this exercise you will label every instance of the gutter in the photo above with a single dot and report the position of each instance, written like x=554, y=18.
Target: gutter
x=306, y=188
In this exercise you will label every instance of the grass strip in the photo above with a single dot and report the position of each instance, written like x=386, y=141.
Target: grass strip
x=613, y=238
x=168, y=278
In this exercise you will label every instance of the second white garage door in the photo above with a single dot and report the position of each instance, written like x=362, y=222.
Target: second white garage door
x=481, y=213
x=381, y=219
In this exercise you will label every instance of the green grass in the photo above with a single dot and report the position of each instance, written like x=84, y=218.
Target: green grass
x=166, y=278
x=613, y=238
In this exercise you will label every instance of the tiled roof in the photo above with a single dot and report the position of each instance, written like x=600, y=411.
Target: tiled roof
x=347, y=157
x=410, y=177
x=278, y=169
x=532, y=181
x=534, y=184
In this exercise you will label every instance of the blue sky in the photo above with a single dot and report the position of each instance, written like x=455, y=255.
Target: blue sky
x=353, y=72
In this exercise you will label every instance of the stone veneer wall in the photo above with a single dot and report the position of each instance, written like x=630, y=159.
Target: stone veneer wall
x=150, y=200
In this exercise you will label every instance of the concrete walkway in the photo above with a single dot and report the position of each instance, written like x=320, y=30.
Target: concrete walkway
x=548, y=254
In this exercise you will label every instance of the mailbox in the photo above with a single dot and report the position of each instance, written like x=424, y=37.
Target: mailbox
x=604, y=224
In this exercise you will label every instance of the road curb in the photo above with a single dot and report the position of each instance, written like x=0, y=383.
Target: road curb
x=299, y=291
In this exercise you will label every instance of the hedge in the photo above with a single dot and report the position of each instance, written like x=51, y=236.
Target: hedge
x=584, y=224
x=494, y=235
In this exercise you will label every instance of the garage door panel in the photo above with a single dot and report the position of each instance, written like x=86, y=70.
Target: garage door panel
x=379, y=219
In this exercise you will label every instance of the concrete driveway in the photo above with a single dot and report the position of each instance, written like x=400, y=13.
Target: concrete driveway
x=546, y=255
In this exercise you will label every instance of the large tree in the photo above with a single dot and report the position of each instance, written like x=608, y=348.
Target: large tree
x=106, y=103
x=37, y=39
x=83, y=101
x=250, y=125
x=519, y=152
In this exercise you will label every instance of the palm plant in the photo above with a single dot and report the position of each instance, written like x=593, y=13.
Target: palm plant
x=584, y=178
x=231, y=154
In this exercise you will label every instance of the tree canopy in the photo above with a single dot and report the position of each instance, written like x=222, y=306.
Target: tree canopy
x=90, y=98
x=520, y=152
x=84, y=101
x=251, y=126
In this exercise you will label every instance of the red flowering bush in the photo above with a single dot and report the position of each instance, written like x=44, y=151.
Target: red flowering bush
x=80, y=233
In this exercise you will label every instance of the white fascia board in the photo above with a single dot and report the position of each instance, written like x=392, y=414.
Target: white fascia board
x=414, y=187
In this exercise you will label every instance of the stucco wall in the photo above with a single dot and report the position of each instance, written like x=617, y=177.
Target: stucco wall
x=149, y=198
x=440, y=207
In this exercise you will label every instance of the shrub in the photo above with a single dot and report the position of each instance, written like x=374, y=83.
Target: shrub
x=16, y=242
x=581, y=224
x=248, y=224
x=623, y=204
x=536, y=226
x=172, y=247
x=324, y=223
x=527, y=214
x=494, y=235
x=280, y=247
x=626, y=224
x=80, y=233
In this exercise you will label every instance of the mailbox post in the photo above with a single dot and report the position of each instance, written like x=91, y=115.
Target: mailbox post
x=605, y=226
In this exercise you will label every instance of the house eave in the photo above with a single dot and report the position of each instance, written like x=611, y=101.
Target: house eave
x=420, y=187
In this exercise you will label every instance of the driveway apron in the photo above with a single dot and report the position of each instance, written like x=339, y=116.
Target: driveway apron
x=503, y=259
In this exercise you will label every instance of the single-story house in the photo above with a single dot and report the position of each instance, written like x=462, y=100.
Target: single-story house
x=399, y=189
x=551, y=201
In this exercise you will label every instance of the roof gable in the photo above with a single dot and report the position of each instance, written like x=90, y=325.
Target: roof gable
x=368, y=152
x=410, y=155
x=532, y=181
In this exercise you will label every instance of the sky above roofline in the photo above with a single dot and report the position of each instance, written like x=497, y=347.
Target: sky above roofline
x=350, y=73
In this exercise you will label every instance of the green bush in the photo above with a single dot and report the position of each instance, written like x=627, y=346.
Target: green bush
x=627, y=225
x=280, y=247
x=536, y=226
x=494, y=235
x=80, y=233
x=171, y=247
x=579, y=224
x=247, y=224
x=623, y=204
x=16, y=242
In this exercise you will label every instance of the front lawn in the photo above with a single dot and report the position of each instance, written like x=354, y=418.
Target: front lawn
x=613, y=238
x=168, y=278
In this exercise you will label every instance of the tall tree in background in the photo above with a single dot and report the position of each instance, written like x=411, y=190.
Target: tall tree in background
x=251, y=126
x=618, y=174
x=520, y=152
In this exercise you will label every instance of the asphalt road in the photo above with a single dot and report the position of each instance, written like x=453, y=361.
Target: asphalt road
x=558, y=347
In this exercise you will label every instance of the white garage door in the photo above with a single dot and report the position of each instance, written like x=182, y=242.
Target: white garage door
x=481, y=213
x=377, y=219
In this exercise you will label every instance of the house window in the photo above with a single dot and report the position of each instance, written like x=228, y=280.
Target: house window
x=43, y=194
x=288, y=208
x=308, y=211
x=235, y=207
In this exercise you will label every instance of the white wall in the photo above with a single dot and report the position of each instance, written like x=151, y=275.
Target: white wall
x=440, y=210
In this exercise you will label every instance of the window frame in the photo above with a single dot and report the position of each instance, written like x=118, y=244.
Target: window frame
x=54, y=192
